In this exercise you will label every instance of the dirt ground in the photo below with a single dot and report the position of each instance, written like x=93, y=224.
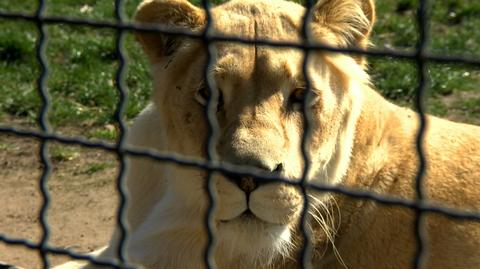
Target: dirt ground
x=83, y=205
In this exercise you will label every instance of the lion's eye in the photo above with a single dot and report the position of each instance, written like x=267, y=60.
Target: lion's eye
x=297, y=97
x=203, y=94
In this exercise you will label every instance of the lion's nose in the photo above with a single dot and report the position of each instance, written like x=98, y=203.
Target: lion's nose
x=249, y=184
x=279, y=168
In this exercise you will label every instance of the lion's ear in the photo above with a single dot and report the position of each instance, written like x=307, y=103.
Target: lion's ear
x=352, y=20
x=169, y=14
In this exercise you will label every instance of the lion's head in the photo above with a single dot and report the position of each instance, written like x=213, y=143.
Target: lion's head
x=259, y=109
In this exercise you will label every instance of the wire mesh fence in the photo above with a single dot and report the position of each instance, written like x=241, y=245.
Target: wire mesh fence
x=45, y=135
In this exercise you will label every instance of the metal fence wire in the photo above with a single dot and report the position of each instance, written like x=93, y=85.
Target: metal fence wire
x=45, y=135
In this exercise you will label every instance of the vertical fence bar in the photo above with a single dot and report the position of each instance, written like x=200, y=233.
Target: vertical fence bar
x=120, y=83
x=45, y=127
x=210, y=112
x=422, y=21
x=306, y=251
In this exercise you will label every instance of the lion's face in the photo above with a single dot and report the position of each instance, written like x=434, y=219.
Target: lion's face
x=259, y=113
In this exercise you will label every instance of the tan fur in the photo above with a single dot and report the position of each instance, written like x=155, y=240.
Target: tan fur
x=358, y=139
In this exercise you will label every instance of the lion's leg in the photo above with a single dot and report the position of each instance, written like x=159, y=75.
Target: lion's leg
x=83, y=264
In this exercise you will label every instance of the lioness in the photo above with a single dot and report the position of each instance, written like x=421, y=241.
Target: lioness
x=358, y=139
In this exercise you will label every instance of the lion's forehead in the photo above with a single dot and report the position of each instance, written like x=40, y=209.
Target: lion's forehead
x=258, y=73
x=258, y=66
x=256, y=21
x=265, y=20
x=259, y=63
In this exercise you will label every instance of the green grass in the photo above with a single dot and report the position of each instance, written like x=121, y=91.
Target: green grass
x=94, y=168
x=61, y=153
x=452, y=27
x=82, y=64
x=83, y=61
x=107, y=132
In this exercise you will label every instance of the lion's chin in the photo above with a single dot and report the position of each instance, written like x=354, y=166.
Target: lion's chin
x=247, y=217
x=253, y=238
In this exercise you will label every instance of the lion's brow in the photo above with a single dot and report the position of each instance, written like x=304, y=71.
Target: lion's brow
x=230, y=69
x=281, y=69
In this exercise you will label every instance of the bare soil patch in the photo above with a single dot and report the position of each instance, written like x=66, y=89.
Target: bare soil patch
x=83, y=206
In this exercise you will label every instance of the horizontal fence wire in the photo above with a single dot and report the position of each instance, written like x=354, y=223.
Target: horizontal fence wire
x=247, y=171
x=211, y=164
x=396, y=54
